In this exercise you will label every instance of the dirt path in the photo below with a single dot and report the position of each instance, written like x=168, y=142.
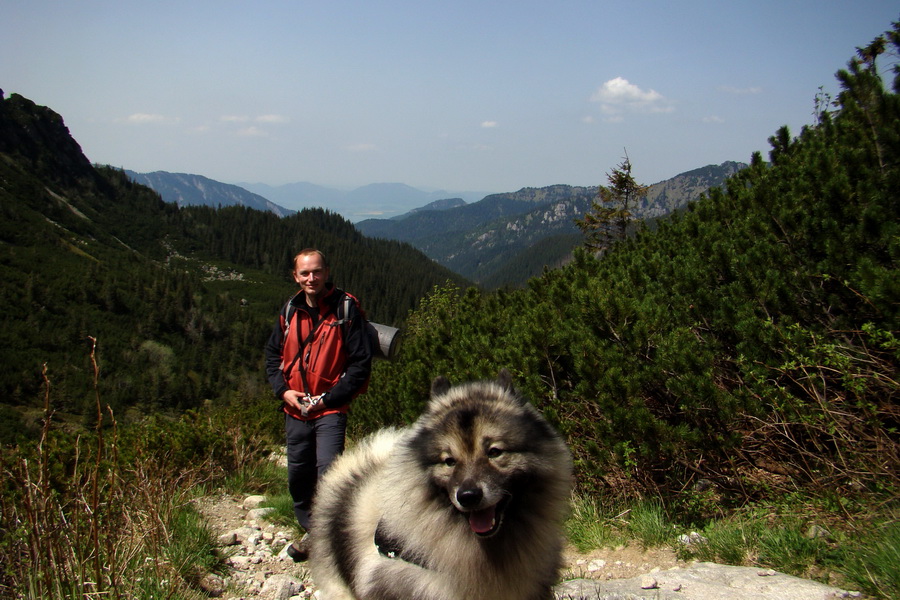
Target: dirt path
x=260, y=570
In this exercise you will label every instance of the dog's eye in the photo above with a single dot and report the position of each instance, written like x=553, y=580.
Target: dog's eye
x=494, y=452
x=449, y=461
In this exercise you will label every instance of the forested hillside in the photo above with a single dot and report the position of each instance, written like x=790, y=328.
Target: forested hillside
x=179, y=301
x=749, y=344
x=506, y=239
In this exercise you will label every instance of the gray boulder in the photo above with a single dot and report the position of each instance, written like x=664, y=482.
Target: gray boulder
x=703, y=581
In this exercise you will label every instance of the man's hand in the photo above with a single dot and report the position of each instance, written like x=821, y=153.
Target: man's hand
x=314, y=407
x=294, y=399
x=307, y=407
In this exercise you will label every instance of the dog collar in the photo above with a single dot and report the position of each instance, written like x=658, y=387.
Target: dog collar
x=391, y=547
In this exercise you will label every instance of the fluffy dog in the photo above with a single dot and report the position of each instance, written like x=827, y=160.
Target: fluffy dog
x=466, y=504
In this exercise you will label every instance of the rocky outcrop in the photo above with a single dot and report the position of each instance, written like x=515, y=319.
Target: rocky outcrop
x=37, y=137
x=703, y=581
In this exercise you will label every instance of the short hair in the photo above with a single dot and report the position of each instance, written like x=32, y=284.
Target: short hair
x=310, y=252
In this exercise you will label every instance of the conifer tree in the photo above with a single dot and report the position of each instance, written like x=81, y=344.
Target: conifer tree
x=609, y=216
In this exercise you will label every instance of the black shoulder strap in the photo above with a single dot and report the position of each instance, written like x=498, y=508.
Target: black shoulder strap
x=300, y=350
x=289, y=311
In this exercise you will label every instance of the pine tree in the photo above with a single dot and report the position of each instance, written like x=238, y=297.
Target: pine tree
x=607, y=221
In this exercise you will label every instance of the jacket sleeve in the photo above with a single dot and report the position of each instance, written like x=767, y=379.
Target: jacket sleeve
x=359, y=361
x=273, y=350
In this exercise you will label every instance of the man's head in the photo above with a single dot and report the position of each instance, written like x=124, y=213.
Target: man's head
x=311, y=274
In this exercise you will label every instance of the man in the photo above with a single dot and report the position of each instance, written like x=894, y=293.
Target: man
x=316, y=362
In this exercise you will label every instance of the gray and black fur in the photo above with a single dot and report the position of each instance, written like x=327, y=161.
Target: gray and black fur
x=466, y=504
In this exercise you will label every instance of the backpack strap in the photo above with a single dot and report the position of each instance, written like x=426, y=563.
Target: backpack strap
x=343, y=310
x=288, y=312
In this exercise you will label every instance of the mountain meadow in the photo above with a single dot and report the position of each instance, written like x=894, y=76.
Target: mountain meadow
x=732, y=370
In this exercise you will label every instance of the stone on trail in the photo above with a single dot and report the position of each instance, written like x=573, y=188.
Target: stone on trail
x=703, y=581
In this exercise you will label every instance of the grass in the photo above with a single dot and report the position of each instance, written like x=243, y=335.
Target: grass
x=650, y=525
x=191, y=549
x=81, y=519
x=104, y=532
x=875, y=565
x=590, y=526
x=855, y=554
x=268, y=478
x=284, y=509
x=150, y=541
x=256, y=476
x=594, y=526
x=109, y=514
x=783, y=543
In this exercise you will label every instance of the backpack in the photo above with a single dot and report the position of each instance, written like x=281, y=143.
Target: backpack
x=382, y=338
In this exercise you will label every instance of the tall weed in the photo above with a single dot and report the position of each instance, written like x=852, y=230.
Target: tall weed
x=107, y=513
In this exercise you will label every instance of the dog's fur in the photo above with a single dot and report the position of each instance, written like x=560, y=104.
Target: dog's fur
x=466, y=504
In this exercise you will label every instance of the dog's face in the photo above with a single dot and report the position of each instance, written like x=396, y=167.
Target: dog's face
x=480, y=447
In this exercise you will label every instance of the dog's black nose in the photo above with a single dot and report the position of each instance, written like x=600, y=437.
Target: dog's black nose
x=469, y=497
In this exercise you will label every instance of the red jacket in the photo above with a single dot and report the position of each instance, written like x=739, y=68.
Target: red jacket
x=334, y=358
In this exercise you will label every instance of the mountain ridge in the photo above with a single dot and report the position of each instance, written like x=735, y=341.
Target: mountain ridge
x=186, y=189
x=484, y=240
x=480, y=240
x=374, y=200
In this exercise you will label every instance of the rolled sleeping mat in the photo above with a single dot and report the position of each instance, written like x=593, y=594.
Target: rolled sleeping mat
x=385, y=340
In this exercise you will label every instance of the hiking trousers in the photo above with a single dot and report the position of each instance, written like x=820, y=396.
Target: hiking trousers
x=311, y=448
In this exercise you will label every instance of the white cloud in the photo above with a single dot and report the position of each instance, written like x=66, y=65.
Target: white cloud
x=252, y=131
x=620, y=91
x=489, y=124
x=713, y=119
x=258, y=119
x=619, y=95
x=144, y=118
x=272, y=119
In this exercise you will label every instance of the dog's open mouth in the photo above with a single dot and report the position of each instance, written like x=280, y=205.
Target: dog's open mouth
x=486, y=521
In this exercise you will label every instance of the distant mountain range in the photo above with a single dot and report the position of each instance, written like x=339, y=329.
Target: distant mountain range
x=185, y=189
x=497, y=240
x=376, y=200
x=504, y=239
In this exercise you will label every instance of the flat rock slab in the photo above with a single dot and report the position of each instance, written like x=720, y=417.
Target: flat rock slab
x=703, y=581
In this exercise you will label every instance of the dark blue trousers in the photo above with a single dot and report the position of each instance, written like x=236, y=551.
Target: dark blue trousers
x=311, y=448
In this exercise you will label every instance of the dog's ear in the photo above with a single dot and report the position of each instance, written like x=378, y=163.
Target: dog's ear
x=504, y=378
x=439, y=386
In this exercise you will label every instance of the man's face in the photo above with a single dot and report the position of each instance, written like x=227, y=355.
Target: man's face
x=311, y=274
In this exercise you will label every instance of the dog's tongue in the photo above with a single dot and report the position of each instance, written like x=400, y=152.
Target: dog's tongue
x=482, y=521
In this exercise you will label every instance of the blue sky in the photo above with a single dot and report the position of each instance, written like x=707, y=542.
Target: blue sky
x=469, y=95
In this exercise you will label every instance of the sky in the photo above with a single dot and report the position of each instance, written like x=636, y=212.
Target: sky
x=471, y=95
